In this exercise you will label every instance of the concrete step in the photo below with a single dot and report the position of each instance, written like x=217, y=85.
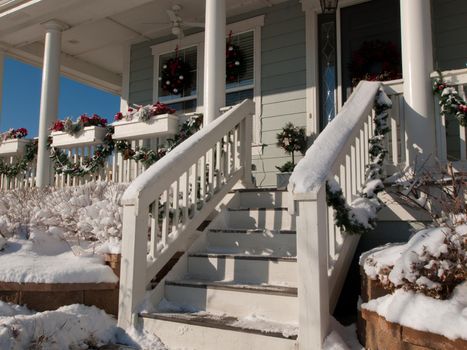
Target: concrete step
x=263, y=198
x=204, y=331
x=242, y=268
x=263, y=218
x=255, y=242
x=276, y=303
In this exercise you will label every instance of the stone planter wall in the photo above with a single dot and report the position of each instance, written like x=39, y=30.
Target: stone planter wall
x=376, y=333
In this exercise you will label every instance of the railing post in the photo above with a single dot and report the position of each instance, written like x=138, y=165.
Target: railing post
x=246, y=140
x=133, y=265
x=313, y=281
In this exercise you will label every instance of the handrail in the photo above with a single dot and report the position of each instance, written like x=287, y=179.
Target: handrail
x=169, y=201
x=324, y=252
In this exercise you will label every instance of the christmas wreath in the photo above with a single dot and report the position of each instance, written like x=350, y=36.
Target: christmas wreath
x=234, y=61
x=175, y=75
x=376, y=60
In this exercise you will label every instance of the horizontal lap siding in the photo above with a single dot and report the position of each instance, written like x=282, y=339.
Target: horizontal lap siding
x=283, y=81
x=450, y=34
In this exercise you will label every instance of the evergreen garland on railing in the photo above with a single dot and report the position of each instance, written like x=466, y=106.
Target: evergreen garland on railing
x=21, y=165
x=449, y=100
x=344, y=214
x=63, y=164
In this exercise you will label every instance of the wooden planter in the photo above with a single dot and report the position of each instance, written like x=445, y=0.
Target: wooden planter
x=160, y=125
x=90, y=135
x=13, y=147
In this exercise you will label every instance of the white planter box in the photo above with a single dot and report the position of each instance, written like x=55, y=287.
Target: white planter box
x=90, y=135
x=13, y=147
x=159, y=125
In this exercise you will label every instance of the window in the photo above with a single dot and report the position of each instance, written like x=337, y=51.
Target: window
x=186, y=100
x=243, y=87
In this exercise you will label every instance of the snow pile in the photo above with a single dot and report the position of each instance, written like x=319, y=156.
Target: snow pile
x=259, y=322
x=342, y=338
x=69, y=327
x=91, y=211
x=433, y=262
x=46, y=257
x=417, y=311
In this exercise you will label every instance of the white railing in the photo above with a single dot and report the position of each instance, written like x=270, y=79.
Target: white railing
x=451, y=137
x=165, y=205
x=324, y=252
x=25, y=179
x=116, y=167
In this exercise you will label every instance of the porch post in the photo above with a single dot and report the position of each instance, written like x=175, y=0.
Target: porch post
x=214, y=61
x=49, y=97
x=417, y=64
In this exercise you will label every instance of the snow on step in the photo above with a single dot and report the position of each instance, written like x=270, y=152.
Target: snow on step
x=204, y=331
x=264, y=218
x=243, y=268
x=255, y=242
x=277, y=303
x=263, y=198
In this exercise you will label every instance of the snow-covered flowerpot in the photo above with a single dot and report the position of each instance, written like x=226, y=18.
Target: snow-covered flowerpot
x=159, y=125
x=90, y=135
x=282, y=180
x=13, y=147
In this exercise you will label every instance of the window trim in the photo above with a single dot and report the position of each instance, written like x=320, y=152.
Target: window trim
x=251, y=24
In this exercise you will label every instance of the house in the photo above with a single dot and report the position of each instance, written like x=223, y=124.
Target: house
x=296, y=64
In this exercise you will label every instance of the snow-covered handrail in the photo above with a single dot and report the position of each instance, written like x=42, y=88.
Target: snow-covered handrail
x=324, y=252
x=169, y=201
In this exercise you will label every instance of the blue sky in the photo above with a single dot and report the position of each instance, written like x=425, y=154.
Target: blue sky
x=22, y=94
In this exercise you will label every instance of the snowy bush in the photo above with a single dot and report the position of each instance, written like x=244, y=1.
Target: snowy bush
x=432, y=262
x=91, y=211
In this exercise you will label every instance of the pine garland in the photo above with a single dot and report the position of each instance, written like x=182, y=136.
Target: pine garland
x=13, y=170
x=449, y=100
x=345, y=215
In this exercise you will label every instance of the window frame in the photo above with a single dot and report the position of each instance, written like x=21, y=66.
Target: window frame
x=253, y=24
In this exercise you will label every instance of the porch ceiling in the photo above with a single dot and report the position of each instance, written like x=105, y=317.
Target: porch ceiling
x=93, y=44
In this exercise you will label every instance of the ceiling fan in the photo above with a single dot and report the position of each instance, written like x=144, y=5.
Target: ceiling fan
x=178, y=24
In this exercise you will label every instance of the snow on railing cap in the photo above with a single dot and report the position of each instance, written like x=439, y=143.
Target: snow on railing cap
x=313, y=169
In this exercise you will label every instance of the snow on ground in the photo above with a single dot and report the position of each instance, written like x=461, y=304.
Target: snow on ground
x=342, y=338
x=445, y=317
x=69, y=327
x=46, y=257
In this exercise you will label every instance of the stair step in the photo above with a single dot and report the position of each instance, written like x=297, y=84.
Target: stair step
x=263, y=218
x=204, y=331
x=252, y=241
x=263, y=198
x=274, y=302
x=243, y=268
x=217, y=321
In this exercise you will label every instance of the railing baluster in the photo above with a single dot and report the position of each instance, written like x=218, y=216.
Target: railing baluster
x=176, y=205
x=219, y=161
x=211, y=171
x=462, y=129
x=154, y=228
x=186, y=197
x=202, y=189
x=166, y=218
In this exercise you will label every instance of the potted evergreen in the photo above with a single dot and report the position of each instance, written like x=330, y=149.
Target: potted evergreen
x=291, y=139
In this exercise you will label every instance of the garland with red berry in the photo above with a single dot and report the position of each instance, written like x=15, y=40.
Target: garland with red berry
x=175, y=75
x=382, y=56
x=449, y=100
x=21, y=165
x=234, y=66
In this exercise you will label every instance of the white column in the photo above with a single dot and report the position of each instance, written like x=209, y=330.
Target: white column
x=49, y=97
x=2, y=60
x=417, y=64
x=214, y=62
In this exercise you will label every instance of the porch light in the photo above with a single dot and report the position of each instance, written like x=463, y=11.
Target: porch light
x=328, y=6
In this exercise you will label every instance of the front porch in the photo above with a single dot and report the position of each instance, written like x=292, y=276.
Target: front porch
x=204, y=163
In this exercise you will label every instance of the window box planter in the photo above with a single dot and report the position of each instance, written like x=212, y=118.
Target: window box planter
x=282, y=180
x=90, y=135
x=159, y=125
x=13, y=147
